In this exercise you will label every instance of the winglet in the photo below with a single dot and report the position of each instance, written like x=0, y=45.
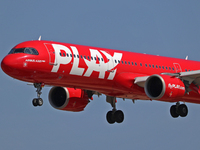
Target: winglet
x=186, y=58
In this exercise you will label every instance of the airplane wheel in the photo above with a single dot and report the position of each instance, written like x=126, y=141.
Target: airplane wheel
x=173, y=111
x=37, y=102
x=182, y=110
x=110, y=117
x=119, y=116
x=34, y=102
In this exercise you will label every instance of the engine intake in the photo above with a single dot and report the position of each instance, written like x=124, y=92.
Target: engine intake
x=164, y=87
x=68, y=99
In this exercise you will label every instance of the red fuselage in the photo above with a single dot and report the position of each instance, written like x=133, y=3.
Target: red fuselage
x=111, y=72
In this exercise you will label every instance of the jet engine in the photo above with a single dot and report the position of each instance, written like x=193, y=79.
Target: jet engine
x=68, y=99
x=164, y=87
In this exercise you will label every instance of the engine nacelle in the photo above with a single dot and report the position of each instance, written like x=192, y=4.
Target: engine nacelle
x=68, y=99
x=164, y=87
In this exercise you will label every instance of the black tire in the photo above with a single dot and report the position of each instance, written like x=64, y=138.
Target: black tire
x=39, y=102
x=110, y=117
x=119, y=116
x=182, y=110
x=35, y=102
x=173, y=111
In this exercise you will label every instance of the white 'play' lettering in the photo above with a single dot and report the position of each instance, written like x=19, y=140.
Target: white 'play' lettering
x=58, y=59
x=92, y=64
x=75, y=70
x=111, y=64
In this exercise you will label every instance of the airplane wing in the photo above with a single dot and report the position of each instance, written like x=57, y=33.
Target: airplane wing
x=192, y=78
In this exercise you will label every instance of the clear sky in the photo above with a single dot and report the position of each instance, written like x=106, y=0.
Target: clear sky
x=168, y=28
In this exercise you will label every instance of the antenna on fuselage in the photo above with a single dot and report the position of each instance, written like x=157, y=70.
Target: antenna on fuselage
x=39, y=38
x=186, y=58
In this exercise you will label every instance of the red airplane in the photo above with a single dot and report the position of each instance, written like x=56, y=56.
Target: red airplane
x=77, y=72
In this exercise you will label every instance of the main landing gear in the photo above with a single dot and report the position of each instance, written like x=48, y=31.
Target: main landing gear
x=38, y=101
x=114, y=115
x=178, y=110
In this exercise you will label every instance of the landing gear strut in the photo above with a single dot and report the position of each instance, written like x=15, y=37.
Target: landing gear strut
x=178, y=110
x=38, y=101
x=114, y=115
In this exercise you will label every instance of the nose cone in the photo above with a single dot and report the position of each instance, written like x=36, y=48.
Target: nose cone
x=6, y=65
x=10, y=65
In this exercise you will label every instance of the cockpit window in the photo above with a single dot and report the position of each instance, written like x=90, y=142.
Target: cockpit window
x=27, y=50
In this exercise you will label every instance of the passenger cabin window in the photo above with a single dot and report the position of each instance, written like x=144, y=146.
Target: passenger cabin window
x=27, y=50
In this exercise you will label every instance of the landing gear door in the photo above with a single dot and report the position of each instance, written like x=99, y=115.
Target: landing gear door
x=177, y=67
x=52, y=57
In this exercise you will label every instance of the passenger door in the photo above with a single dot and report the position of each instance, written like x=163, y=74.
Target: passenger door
x=52, y=57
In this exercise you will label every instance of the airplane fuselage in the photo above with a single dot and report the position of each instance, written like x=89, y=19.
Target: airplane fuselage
x=111, y=72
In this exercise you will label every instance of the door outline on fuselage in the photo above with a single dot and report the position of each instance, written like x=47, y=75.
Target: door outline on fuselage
x=177, y=67
x=51, y=52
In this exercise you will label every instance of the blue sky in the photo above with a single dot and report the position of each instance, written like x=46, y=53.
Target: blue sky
x=168, y=28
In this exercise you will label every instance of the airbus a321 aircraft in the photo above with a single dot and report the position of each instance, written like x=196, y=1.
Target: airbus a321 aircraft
x=77, y=72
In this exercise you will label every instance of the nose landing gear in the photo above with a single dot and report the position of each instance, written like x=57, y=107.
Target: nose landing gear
x=38, y=101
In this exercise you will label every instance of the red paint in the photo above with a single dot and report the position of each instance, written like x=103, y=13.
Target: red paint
x=38, y=69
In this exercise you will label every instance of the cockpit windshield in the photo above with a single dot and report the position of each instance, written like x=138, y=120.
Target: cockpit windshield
x=27, y=50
